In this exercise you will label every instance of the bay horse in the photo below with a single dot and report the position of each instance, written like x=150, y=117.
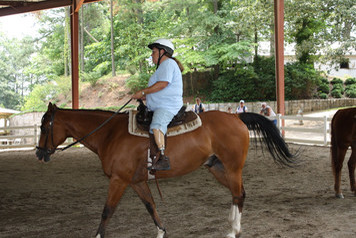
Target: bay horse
x=221, y=144
x=343, y=135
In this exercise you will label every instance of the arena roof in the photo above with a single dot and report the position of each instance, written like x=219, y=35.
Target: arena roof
x=22, y=6
x=7, y=112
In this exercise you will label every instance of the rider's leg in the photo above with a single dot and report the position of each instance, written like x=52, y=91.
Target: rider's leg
x=159, y=139
x=163, y=161
x=160, y=120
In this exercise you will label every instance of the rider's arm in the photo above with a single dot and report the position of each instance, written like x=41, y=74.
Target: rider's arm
x=158, y=86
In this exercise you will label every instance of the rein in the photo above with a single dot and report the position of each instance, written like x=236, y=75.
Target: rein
x=96, y=129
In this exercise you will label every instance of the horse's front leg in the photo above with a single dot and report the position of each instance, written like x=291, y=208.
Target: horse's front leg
x=116, y=189
x=144, y=193
x=352, y=165
x=337, y=163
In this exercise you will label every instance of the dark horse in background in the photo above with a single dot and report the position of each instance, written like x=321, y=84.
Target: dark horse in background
x=343, y=135
x=221, y=144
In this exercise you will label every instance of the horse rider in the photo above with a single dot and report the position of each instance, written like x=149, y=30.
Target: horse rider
x=164, y=96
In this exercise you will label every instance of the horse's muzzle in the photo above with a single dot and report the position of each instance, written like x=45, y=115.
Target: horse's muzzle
x=43, y=153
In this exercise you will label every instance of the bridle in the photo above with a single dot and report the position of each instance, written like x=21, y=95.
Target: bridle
x=46, y=130
x=51, y=124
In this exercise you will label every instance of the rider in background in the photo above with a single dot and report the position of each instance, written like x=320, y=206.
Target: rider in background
x=164, y=95
x=199, y=106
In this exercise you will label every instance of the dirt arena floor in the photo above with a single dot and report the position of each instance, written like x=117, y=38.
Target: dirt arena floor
x=65, y=198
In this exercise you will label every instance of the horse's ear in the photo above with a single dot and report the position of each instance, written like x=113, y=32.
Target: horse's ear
x=50, y=106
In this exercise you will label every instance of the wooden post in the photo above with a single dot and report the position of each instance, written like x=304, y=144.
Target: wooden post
x=75, y=55
x=279, y=52
x=35, y=135
x=325, y=130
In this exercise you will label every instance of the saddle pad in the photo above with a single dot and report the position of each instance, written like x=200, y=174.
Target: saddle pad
x=172, y=131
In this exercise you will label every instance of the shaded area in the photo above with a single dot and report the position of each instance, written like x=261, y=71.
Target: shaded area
x=65, y=197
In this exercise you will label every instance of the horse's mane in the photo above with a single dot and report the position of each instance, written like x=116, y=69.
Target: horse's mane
x=99, y=111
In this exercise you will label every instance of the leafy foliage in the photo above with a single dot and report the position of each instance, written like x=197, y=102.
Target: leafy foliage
x=301, y=81
x=336, y=81
x=350, y=90
x=324, y=88
x=350, y=81
x=323, y=96
x=256, y=81
x=221, y=36
x=336, y=93
x=137, y=82
x=38, y=98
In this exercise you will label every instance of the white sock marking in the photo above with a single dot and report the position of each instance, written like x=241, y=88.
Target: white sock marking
x=160, y=233
x=235, y=221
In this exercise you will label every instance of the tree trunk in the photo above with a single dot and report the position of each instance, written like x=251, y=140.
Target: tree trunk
x=113, y=71
x=272, y=50
x=81, y=36
x=256, y=42
x=67, y=44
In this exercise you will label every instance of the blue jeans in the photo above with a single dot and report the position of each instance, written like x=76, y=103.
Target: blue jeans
x=160, y=120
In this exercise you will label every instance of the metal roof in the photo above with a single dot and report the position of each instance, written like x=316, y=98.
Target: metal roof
x=22, y=6
x=7, y=112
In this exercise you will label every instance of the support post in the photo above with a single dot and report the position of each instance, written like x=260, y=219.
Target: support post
x=35, y=134
x=279, y=52
x=325, y=131
x=75, y=55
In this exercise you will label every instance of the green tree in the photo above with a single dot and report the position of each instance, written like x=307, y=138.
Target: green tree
x=15, y=56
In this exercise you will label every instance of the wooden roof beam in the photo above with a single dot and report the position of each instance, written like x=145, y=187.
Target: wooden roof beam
x=24, y=6
x=78, y=5
x=33, y=6
x=14, y=4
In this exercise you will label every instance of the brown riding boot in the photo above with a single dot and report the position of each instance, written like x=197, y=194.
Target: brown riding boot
x=162, y=163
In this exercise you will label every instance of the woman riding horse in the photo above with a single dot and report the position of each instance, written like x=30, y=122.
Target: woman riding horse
x=164, y=96
x=221, y=144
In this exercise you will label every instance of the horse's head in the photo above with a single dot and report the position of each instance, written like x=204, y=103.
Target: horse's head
x=48, y=141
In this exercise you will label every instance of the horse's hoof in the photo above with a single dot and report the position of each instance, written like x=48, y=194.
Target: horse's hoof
x=231, y=235
x=339, y=195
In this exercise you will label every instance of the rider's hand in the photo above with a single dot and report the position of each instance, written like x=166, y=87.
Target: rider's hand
x=139, y=95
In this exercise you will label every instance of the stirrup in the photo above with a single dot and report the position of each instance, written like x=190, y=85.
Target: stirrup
x=161, y=164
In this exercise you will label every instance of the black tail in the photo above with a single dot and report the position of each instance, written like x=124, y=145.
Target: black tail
x=266, y=132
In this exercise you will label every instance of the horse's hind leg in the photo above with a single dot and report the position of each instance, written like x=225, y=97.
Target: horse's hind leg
x=144, y=193
x=234, y=183
x=116, y=189
x=238, y=197
x=217, y=169
x=337, y=163
x=352, y=164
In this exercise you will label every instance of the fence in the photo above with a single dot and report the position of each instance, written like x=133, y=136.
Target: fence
x=296, y=129
x=9, y=139
x=305, y=130
x=16, y=137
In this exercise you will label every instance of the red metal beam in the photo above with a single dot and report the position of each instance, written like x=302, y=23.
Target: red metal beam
x=78, y=5
x=25, y=6
x=74, y=20
x=279, y=49
x=32, y=6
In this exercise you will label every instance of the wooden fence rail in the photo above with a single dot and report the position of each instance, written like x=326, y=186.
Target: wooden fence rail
x=294, y=129
x=305, y=130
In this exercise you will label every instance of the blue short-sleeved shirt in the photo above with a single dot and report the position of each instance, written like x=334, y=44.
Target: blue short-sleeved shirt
x=171, y=97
